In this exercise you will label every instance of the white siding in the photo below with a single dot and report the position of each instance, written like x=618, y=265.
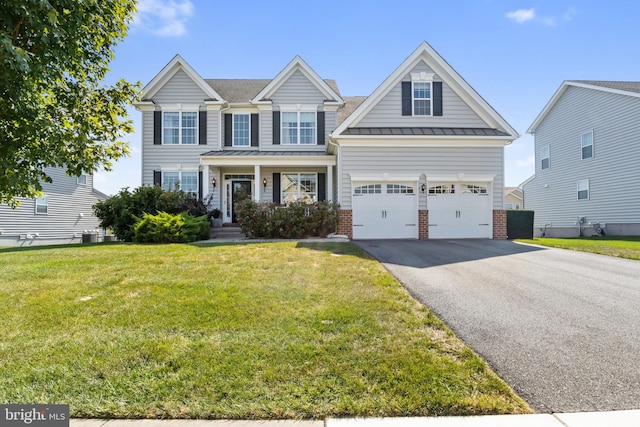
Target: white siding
x=421, y=161
x=388, y=111
x=180, y=89
x=614, y=195
x=62, y=224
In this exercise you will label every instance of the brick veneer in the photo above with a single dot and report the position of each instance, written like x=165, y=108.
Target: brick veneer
x=345, y=223
x=423, y=224
x=500, y=224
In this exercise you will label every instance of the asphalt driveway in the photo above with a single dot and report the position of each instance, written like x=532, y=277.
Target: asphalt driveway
x=561, y=327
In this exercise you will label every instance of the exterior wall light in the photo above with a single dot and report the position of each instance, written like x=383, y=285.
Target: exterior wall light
x=214, y=182
x=264, y=183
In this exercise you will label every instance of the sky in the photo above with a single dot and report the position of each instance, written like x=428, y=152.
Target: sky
x=515, y=54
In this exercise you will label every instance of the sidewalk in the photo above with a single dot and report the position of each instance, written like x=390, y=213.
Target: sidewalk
x=578, y=419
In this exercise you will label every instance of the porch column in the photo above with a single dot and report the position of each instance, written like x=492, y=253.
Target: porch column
x=257, y=183
x=330, y=183
x=206, y=181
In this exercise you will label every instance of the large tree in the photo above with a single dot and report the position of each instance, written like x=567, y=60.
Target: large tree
x=54, y=107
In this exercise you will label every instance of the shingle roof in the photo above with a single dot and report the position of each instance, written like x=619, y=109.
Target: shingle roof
x=244, y=90
x=350, y=104
x=226, y=153
x=626, y=86
x=425, y=131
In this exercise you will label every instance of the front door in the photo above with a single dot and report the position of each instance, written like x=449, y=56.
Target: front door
x=240, y=190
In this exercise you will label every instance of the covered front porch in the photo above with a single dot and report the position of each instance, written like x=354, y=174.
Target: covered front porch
x=280, y=177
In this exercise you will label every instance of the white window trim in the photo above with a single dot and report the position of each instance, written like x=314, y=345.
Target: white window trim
x=233, y=130
x=45, y=204
x=282, y=192
x=593, y=152
x=180, y=110
x=578, y=189
x=414, y=99
x=548, y=157
x=299, y=108
x=179, y=172
x=86, y=179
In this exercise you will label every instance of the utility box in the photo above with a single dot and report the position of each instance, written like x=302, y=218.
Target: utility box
x=89, y=238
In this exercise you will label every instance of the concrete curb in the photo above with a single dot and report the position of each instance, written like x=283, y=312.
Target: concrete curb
x=579, y=419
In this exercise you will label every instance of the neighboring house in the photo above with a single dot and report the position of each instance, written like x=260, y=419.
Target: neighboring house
x=421, y=157
x=61, y=215
x=513, y=198
x=587, y=148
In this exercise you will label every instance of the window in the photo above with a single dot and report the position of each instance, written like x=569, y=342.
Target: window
x=508, y=205
x=42, y=205
x=368, y=189
x=442, y=189
x=298, y=127
x=586, y=143
x=241, y=130
x=475, y=189
x=82, y=179
x=299, y=186
x=179, y=127
x=544, y=157
x=583, y=189
x=421, y=98
x=399, y=189
x=185, y=181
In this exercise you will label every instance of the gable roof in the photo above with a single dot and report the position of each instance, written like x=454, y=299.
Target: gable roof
x=619, y=87
x=178, y=63
x=424, y=52
x=245, y=90
x=298, y=64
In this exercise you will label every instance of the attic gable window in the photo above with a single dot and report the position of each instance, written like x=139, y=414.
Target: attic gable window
x=421, y=98
x=179, y=127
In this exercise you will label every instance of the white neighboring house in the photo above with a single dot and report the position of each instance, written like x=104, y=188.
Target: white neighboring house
x=587, y=148
x=421, y=157
x=62, y=215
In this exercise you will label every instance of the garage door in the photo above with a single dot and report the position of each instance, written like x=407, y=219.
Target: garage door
x=385, y=211
x=459, y=211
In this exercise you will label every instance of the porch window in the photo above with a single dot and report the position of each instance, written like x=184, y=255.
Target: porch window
x=299, y=127
x=299, y=186
x=179, y=127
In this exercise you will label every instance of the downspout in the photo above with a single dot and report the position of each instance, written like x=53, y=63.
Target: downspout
x=338, y=180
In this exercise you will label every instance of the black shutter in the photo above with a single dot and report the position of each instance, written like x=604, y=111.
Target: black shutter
x=202, y=128
x=228, y=130
x=320, y=125
x=322, y=187
x=406, y=99
x=157, y=178
x=276, y=187
x=157, y=127
x=199, y=185
x=437, y=98
x=255, y=130
x=276, y=128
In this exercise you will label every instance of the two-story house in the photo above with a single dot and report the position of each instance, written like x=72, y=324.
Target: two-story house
x=587, y=159
x=421, y=157
x=62, y=215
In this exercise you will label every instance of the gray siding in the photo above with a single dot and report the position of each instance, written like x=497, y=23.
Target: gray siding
x=612, y=172
x=388, y=111
x=421, y=161
x=180, y=89
x=62, y=224
x=298, y=89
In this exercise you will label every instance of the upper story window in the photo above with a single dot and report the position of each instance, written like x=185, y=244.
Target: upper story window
x=299, y=127
x=179, y=127
x=544, y=157
x=185, y=181
x=241, y=130
x=42, y=205
x=421, y=98
x=586, y=144
x=583, y=189
x=82, y=179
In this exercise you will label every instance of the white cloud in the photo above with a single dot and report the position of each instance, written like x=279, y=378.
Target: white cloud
x=166, y=18
x=522, y=15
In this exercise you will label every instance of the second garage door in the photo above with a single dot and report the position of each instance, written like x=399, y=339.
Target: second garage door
x=384, y=211
x=459, y=211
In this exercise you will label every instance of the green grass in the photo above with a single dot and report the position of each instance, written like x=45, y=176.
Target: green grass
x=618, y=246
x=249, y=331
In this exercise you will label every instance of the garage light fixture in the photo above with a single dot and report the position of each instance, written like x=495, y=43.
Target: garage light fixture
x=423, y=188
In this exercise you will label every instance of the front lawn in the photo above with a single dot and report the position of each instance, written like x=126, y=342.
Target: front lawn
x=249, y=331
x=618, y=246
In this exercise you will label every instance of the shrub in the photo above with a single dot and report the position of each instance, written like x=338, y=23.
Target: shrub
x=171, y=228
x=120, y=212
x=292, y=221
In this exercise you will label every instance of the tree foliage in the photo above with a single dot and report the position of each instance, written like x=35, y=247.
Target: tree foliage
x=54, y=109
